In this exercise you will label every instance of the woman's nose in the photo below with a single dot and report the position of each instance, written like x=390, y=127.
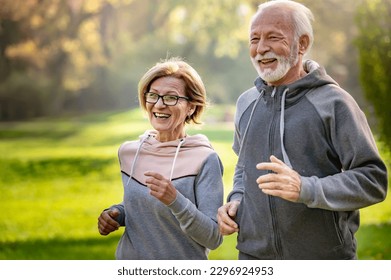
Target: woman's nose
x=159, y=102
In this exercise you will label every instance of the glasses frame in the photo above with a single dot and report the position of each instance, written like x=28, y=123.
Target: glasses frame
x=162, y=97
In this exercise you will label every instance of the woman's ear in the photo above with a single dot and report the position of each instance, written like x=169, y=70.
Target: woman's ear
x=191, y=111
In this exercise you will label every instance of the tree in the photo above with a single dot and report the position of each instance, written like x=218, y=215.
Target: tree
x=61, y=56
x=374, y=44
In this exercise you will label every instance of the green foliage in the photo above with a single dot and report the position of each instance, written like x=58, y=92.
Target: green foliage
x=60, y=57
x=60, y=249
x=57, y=175
x=93, y=52
x=374, y=43
x=372, y=241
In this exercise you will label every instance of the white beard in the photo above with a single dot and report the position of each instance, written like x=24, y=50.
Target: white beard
x=284, y=64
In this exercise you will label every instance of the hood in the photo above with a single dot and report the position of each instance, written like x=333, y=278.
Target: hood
x=173, y=159
x=151, y=144
x=291, y=93
x=315, y=78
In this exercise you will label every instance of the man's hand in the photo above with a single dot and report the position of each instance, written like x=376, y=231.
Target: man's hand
x=225, y=217
x=284, y=182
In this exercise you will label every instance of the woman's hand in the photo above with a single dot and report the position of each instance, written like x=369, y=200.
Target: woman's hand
x=107, y=222
x=160, y=187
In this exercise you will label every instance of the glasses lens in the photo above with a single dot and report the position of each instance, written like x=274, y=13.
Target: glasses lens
x=151, y=97
x=170, y=100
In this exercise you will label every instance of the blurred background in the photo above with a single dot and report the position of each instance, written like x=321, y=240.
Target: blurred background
x=75, y=56
x=68, y=96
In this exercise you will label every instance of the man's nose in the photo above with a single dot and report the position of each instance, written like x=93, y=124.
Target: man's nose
x=262, y=47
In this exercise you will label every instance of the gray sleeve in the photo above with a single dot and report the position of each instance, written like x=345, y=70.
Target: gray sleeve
x=199, y=222
x=363, y=178
x=238, y=188
x=121, y=218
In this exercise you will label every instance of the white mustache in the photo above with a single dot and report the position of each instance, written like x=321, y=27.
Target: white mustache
x=269, y=55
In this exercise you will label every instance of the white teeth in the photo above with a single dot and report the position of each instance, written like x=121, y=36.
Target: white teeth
x=160, y=115
x=267, y=60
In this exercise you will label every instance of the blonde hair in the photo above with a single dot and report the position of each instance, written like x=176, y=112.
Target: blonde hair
x=176, y=67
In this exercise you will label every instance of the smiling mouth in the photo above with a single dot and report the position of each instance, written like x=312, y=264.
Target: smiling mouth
x=161, y=115
x=267, y=61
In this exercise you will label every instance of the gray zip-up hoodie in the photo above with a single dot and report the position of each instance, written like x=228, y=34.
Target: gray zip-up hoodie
x=318, y=129
x=185, y=229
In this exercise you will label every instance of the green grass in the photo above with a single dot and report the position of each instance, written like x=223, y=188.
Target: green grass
x=56, y=176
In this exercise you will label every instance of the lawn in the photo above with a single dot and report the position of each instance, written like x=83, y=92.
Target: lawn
x=57, y=175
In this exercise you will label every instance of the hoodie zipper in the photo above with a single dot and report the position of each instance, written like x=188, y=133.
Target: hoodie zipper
x=272, y=131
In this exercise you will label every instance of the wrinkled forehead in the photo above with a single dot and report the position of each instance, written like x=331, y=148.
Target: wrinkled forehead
x=272, y=18
x=168, y=84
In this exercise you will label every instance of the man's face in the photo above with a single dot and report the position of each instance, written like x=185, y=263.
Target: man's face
x=273, y=49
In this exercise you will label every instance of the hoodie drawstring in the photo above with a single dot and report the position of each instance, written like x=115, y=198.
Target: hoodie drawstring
x=175, y=157
x=138, y=152
x=282, y=128
x=282, y=125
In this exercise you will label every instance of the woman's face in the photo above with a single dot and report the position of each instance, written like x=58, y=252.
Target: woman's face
x=169, y=121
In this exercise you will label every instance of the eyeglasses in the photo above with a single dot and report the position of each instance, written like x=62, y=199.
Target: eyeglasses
x=169, y=100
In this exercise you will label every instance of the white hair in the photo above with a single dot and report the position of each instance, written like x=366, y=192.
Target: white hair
x=302, y=17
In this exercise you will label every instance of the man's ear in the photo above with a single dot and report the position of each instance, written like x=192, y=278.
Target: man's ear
x=304, y=42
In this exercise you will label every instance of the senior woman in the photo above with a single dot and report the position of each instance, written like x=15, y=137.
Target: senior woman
x=172, y=181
